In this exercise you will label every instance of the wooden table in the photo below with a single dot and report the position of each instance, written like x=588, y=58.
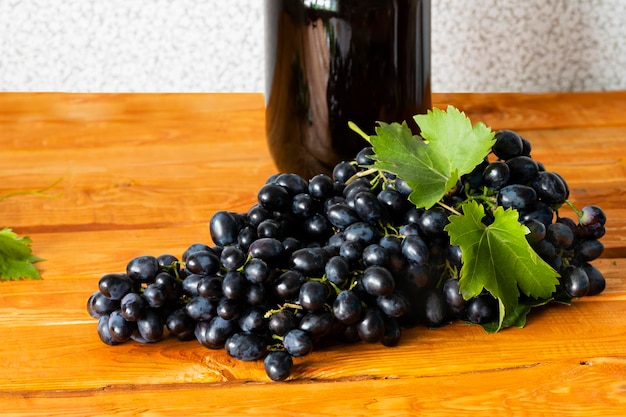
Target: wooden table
x=143, y=173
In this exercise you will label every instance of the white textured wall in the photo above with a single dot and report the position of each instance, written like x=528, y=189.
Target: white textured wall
x=217, y=45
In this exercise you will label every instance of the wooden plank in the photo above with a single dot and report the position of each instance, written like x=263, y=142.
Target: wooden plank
x=565, y=387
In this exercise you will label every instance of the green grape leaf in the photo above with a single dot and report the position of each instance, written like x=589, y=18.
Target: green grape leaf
x=449, y=147
x=16, y=258
x=499, y=259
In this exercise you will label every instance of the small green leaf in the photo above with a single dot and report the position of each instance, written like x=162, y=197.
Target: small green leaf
x=16, y=258
x=431, y=164
x=499, y=259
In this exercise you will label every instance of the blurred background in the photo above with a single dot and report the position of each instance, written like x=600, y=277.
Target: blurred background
x=217, y=46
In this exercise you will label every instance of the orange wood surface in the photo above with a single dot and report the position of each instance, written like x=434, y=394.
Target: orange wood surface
x=143, y=173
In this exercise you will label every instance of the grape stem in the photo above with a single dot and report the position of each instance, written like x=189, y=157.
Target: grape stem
x=449, y=208
x=573, y=207
x=361, y=174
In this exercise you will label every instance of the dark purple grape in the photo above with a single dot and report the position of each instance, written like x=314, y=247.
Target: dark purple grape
x=224, y=228
x=377, y=281
x=343, y=171
x=247, y=235
x=415, y=250
x=274, y=197
x=132, y=306
x=522, y=169
x=517, y=196
x=245, y=346
x=269, y=228
x=169, y=263
x=351, y=251
x=575, y=281
x=210, y=287
x=195, y=247
x=537, y=231
x=309, y=261
x=291, y=244
x=394, y=203
x=120, y=329
x=594, y=231
x=256, y=214
x=294, y=183
x=142, y=268
x=256, y=270
x=252, y=320
x=282, y=321
x=337, y=270
x=150, y=326
x=115, y=286
x=508, y=144
x=433, y=220
x=454, y=256
x=592, y=215
x=317, y=324
x=213, y=334
x=496, y=175
x=234, y=285
x=321, y=187
x=371, y=327
x=368, y=207
x=202, y=262
x=317, y=228
x=569, y=223
x=200, y=308
x=180, y=324
x=375, y=254
x=313, y=295
x=453, y=297
x=103, y=331
x=155, y=295
x=278, y=365
x=362, y=232
x=597, y=283
x=267, y=248
x=540, y=211
x=402, y=187
x=169, y=284
x=393, y=332
x=98, y=305
x=298, y=343
x=587, y=250
x=304, y=205
x=482, y=309
x=392, y=305
x=232, y=257
x=228, y=309
x=550, y=188
x=256, y=294
x=560, y=235
x=347, y=307
x=190, y=284
x=363, y=157
x=341, y=215
x=287, y=287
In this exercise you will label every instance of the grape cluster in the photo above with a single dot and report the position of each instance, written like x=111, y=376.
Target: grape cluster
x=341, y=258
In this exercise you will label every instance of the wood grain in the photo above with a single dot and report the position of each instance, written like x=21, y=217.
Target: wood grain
x=143, y=173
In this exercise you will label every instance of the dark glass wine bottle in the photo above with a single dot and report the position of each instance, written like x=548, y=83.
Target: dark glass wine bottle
x=329, y=62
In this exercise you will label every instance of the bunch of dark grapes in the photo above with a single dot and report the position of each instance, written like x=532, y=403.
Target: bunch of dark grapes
x=341, y=259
